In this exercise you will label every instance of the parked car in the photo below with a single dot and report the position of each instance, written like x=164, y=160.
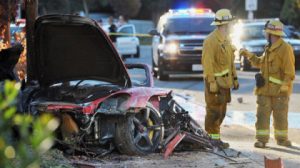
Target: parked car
x=77, y=75
x=178, y=41
x=249, y=34
x=127, y=43
x=293, y=31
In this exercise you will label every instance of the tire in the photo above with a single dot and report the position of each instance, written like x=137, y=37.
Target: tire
x=153, y=67
x=245, y=65
x=160, y=73
x=137, y=135
x=137, y=55
x=162, y=76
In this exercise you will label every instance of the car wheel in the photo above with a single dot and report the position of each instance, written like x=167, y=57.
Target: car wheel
x=140, y=133
x=137, y=55
x=160, y=73
x=162, y=76
x=154, y=66
x=245, y=65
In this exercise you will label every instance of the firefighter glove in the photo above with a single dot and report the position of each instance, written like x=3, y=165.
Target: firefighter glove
x=213, y=87
x=284, y=89
x=245, y=53
x=236, y=84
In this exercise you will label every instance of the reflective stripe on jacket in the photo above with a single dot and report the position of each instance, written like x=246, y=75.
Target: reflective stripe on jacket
x=277, y=65
x=218, y=60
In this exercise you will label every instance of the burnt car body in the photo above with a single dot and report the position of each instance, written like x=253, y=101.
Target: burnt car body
x=77, y=75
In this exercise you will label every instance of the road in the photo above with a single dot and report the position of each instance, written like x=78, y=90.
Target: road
x=193, y=85
x=238, y=127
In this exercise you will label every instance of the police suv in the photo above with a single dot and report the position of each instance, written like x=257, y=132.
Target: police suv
x=178, y=41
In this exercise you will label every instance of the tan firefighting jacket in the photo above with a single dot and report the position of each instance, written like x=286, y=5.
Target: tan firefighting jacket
x=218, y=60
x=277, y=65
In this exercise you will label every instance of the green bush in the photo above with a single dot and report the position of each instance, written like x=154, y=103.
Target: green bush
x=34, y=134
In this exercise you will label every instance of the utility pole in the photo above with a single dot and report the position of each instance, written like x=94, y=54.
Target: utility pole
x=31, y=9
x=85, y=7
x=7, y=22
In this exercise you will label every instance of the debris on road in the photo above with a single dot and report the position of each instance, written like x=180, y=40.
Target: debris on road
x=182, y=129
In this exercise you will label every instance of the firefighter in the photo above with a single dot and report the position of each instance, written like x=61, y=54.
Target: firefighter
x=274, y=85
x=219, y=73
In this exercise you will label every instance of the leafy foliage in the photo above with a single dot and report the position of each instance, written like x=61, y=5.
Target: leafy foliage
x=7, y=10
x=290, y=12
x=22, y=138
x=128, y=8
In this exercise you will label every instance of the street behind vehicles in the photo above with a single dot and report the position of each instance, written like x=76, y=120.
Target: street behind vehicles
x=77, y=75
x=178, y=41
x=250, y=35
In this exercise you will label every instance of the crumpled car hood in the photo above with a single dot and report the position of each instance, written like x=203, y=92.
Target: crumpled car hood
x=68, y=47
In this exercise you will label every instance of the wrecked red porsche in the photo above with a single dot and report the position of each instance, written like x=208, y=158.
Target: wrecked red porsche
x=76, y=74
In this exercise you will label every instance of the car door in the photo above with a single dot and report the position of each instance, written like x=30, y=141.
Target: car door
x=127, y=42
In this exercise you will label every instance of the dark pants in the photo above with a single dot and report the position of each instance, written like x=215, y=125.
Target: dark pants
x=216, y=105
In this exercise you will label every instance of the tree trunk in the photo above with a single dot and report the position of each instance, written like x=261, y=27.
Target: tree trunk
x=85, y=7
x=31, y=8
x=7, y=24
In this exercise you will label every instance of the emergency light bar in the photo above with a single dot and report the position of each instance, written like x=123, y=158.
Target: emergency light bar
x=190, y=11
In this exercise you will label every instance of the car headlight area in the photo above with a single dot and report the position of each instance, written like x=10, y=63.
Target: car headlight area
x=171, y=48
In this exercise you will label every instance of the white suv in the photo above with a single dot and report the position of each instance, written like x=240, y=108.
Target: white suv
x=127, y=43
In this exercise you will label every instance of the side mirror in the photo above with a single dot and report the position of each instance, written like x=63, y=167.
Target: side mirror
x=140, y=74
x=154, y=32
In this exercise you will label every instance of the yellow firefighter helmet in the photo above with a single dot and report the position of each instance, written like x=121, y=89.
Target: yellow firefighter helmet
x=223, y=16
x=274, y=27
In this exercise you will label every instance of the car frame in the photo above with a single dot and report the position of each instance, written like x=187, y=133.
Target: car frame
x=117, y=114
